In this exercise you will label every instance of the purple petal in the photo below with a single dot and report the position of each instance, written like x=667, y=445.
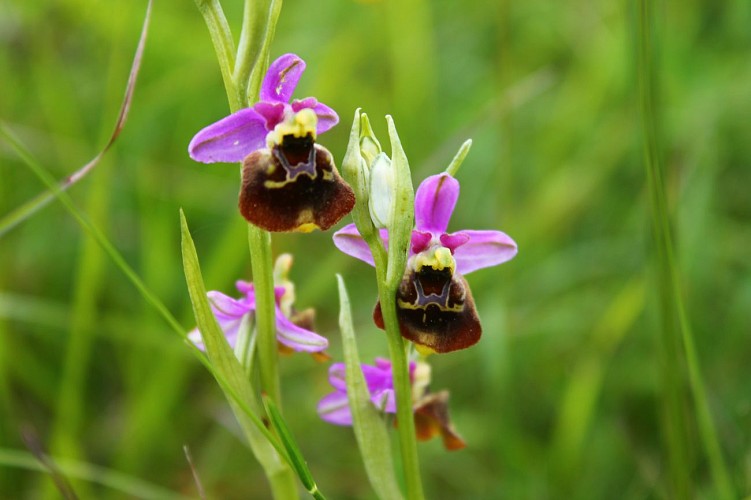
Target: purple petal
x=420, y=240
x=195, y=337
x=281, y=78
x=272, y=113
x=349, y=241
x=337, y=376
x=327, y=117
x=245, y=287
x=383, y=363
x=377, y=379
x=223, y=305
x=435, y=200
x=454, y=241
x=384, y=400
x=298, y=338
x=484, y=249
x=230, y=139
x=334, y=408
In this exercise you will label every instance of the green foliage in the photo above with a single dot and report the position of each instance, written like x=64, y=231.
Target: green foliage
x=561, y=397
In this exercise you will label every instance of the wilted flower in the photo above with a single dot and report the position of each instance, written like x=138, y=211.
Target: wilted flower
x=430, y=410
x=434, y=303
x=230, y=313
x=289, y=183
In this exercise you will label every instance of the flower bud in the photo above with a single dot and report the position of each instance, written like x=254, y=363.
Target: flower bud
x=369, y=145
x=356, y=172
x=382, y=183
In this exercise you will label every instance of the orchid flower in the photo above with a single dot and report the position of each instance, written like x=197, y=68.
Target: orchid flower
x=434, y=303
x=289, y=183
x=230, y=313
x=430, y=410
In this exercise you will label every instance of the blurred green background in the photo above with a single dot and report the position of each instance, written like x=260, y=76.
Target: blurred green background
x=561, y=398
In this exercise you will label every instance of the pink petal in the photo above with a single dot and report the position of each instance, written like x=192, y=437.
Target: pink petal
x=272, y=113
x=454, y=241
x=383, y=363
x=298, y=338
x=230, y=139
x=435, y=200
x=484, y=249
x=223, y=305
x=281, y=78
x=376, y=378
x=195, y=337
x=327, y=117
x=334, y=408
x=337, y=376
x=245, y=287
x=349, y=241
x=384, y=400
x=420, y=240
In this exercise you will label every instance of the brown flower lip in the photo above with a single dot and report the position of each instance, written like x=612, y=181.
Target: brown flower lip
x=436, y=310
x=294, y=186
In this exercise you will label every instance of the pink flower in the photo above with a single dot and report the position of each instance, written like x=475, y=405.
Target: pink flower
x=434, y=303
x=430, y=409
x=234, y=137
x=230, y=313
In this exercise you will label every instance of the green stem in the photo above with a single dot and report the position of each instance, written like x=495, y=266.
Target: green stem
x=256, y=77
x=387, y=288
x=255, y=26
x=258, y=24
x=404, y=414
x=679, y=354
x=224, y=46
x=259, y=242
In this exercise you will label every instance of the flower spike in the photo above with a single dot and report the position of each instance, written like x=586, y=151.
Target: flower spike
x=434, y=303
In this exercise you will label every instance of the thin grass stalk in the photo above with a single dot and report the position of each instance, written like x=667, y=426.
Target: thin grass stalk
x=678, y=353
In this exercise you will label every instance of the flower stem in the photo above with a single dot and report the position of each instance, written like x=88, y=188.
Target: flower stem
x=400, y=367
x=404, y=415
x=251, y=39
x=224, y=46
x=259, y=242
x=259, y=23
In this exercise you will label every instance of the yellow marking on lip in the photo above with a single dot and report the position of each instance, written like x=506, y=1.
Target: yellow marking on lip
x=307, y=227
x=301, y=124
x=438, y=258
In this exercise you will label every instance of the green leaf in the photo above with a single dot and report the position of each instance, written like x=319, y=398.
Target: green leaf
x=404, y=209
x=231, y=375
x=293, y=450
x=370, y=428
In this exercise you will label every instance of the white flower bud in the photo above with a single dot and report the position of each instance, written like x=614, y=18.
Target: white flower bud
x=382, y=183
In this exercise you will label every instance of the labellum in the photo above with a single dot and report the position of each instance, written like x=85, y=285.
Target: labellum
x=293, y=186
x=435, y=308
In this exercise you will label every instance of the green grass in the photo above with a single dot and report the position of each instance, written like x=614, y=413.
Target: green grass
x=564, y=395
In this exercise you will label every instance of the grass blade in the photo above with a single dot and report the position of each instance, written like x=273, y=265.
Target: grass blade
x=40, y=201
